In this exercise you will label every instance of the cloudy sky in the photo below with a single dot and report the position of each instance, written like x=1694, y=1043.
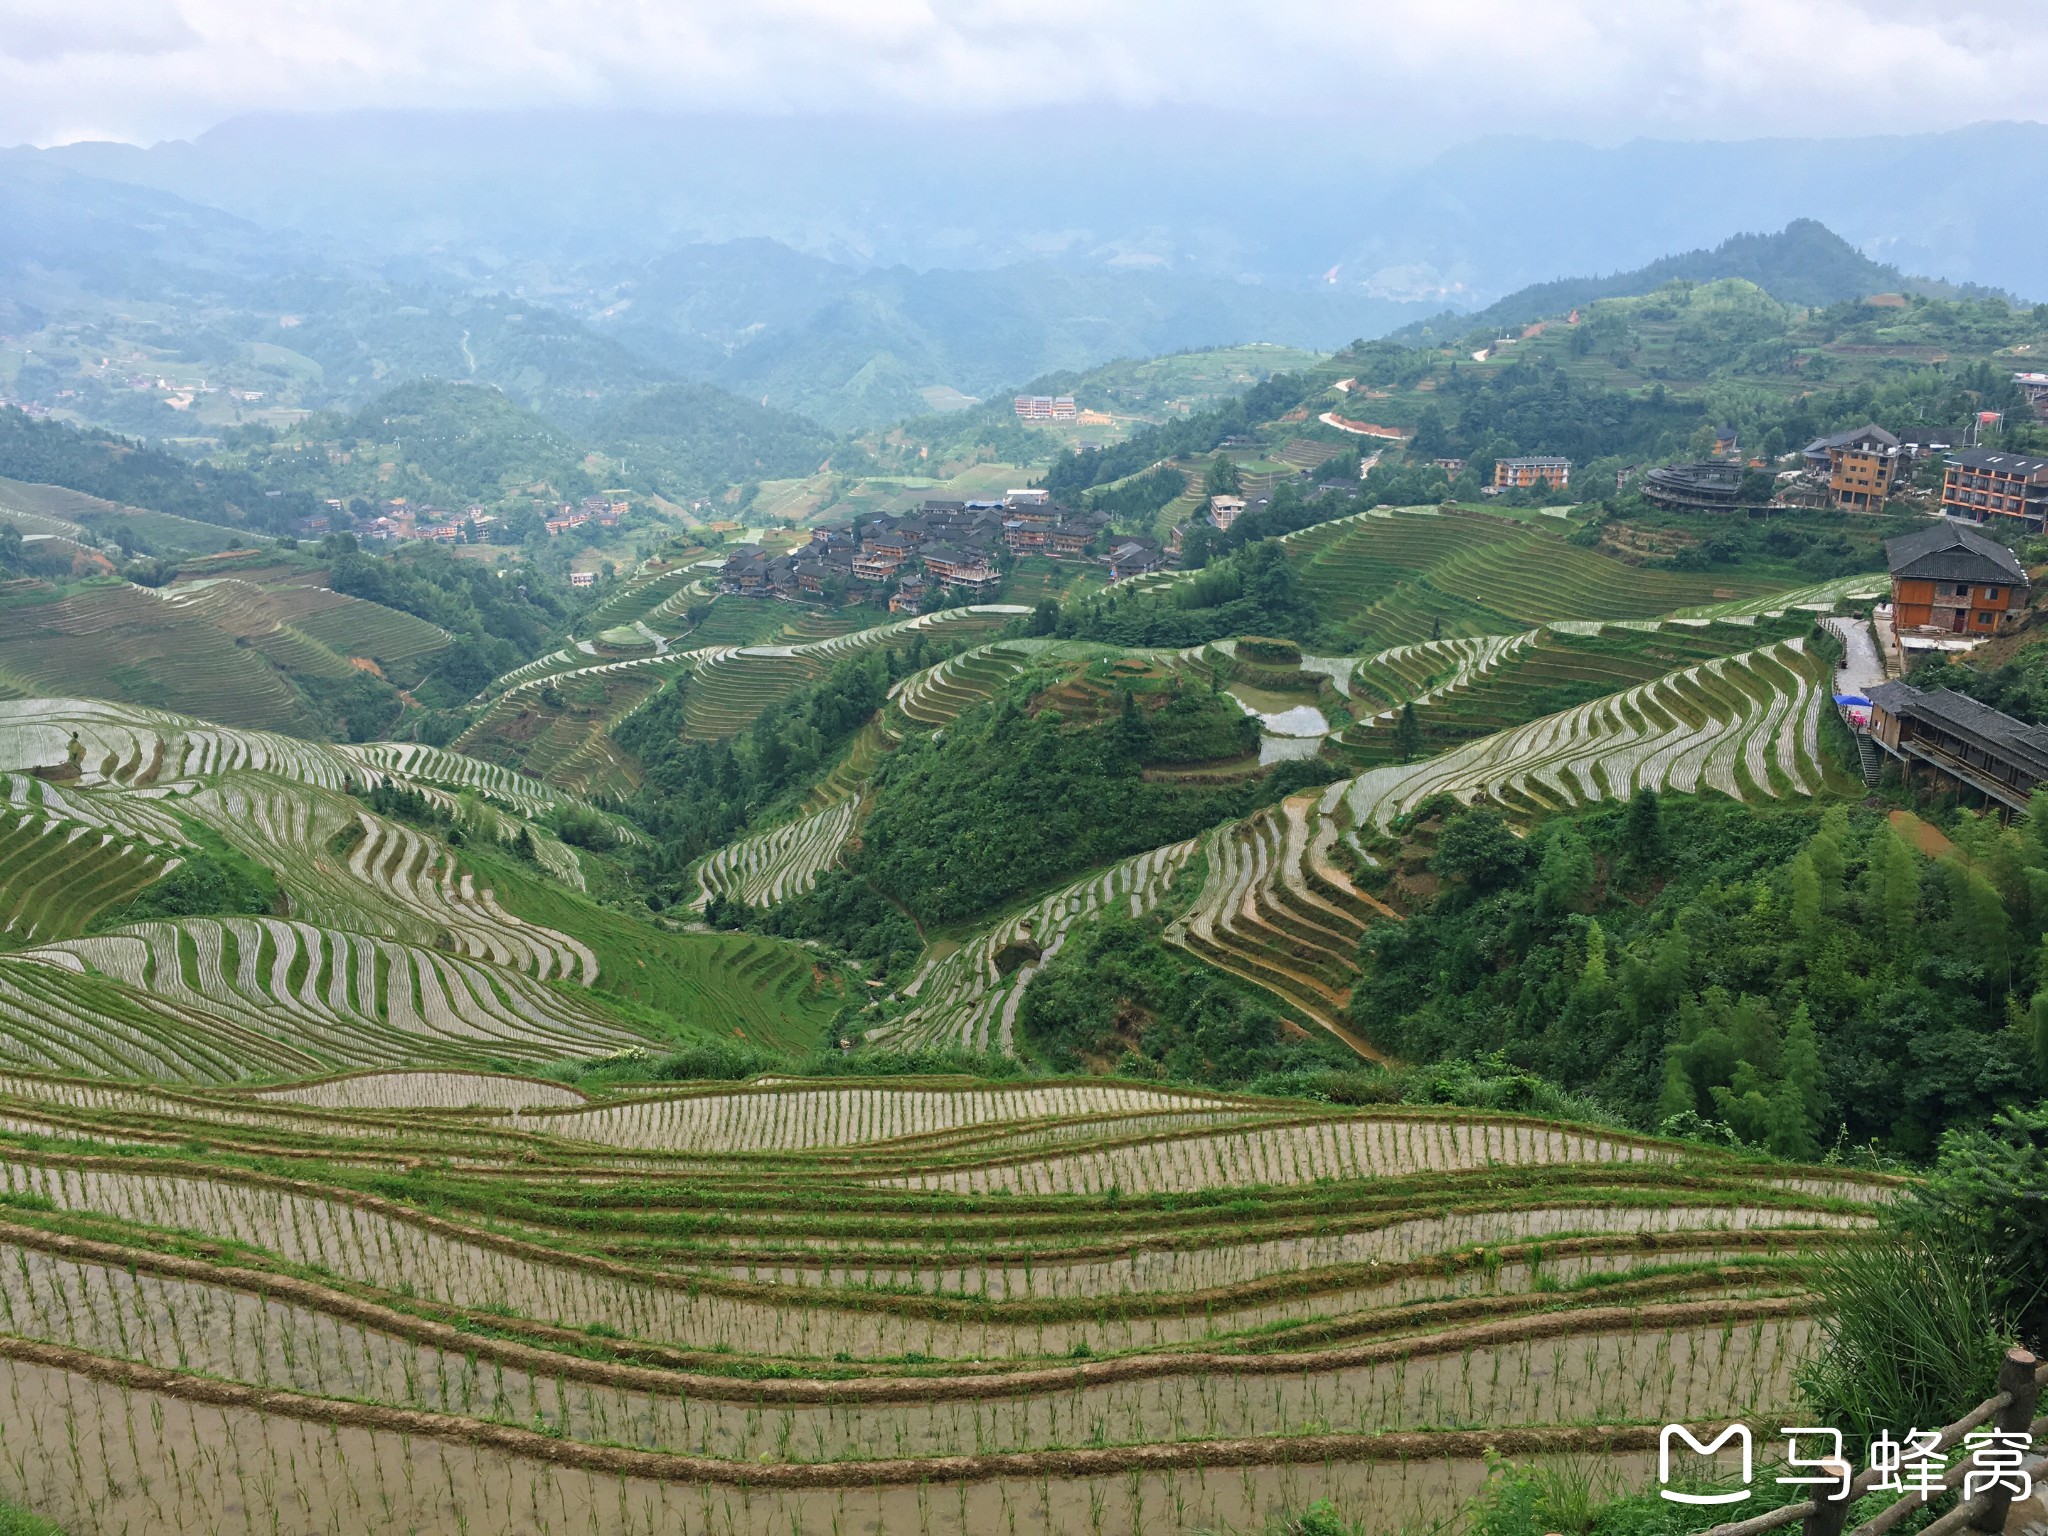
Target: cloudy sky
x=1420, y=71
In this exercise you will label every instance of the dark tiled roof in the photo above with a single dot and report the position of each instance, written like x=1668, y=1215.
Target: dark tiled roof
x=1871, y=432
x=1949, y=553
x=1991, y=458
x=1963, y=716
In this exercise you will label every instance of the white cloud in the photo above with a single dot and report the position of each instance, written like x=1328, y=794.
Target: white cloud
x=1406, y=69
x=40, y=33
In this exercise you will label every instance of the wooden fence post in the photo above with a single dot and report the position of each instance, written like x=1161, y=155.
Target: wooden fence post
x=2017, y=1377
x=1829, y=1515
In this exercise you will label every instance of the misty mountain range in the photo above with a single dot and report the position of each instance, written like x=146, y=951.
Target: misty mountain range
x=858, y=270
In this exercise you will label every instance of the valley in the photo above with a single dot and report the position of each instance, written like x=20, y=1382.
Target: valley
x=1215, y=941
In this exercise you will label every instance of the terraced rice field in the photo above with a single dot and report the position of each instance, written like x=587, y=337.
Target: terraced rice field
x=335, y=996
x=396, y=641
x=1275, y=910
x=773, y=866
x=1469, y=688
x=940, y=693
x=970, y=996
x=57, y=876
x=733, y=1307
x=728, y=688
x=1390, y=576
x=1745, y=725
x=124, y=642
x=395, y=950
x=555, y=724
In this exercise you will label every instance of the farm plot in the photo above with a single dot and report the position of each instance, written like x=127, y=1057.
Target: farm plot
x=391, y=880
x=1544, y=671
x=783, y=1119
x=123, y=642
x=1359, y=1148
x=336, y=996
x=805, y=1296
x=1429, y=670
x=1393, y=577
x=729, y=688
x=788, y=1318
x=1745, y=725
x=176, y=1460
x=773, y=866
x=1458, y=1382
x=349, y=626
x=557, y=726
x=252, y=614
x=1275, y=910
x=970, y=997
x=107, y=765
x=418, y=876
x=56, y=876
x=939, y=693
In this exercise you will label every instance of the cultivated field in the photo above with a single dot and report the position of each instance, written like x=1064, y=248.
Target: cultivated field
x=753, y=1316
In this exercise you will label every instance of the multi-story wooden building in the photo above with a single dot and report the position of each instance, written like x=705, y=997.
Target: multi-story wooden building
x=1519, y=474
x=1950, y=581
x=1984, y=483
x=1861, y=465
x=1961, y=742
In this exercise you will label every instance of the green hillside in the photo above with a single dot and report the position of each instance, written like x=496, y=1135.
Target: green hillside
x=1804, y=264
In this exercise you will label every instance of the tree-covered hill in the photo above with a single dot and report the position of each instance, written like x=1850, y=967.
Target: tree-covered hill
x=1804, y=263
x=686, y=435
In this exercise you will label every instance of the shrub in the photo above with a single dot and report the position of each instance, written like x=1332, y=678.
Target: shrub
x=1912, y=1335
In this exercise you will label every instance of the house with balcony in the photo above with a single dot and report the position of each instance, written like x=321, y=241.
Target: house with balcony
x=1983, y=485
x=1539, y=469
x=1949, y=584
x=1960, y=743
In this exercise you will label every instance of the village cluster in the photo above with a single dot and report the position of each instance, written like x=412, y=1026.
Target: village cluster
x=945, y=547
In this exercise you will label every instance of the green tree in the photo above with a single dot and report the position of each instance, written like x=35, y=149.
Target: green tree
x=1407, y=734
x=1565, y=876
x=1222, y=478
x=1642, y=835
x=1807, y=915
x=1479, y=849
x=1798, y=1105
x=1897, y=880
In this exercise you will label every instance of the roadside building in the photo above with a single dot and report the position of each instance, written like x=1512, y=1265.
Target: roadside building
x=1045, y=407
x=1980, y=484
x=1949, y=581
x=1960, y=742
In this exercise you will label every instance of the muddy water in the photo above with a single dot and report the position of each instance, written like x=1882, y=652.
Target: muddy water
x=108, y=1462
x=362, y=1246
x=186, y=1326
x=1170, y=1270
x=1356, y=1148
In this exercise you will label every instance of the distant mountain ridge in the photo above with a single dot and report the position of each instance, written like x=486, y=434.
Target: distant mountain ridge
x=1805, y=263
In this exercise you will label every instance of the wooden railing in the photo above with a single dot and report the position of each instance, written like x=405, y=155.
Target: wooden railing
x=2020, y=1381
